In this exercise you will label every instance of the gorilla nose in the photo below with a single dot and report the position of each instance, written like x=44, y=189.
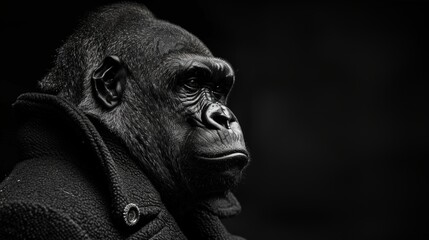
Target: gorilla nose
x=217, y=116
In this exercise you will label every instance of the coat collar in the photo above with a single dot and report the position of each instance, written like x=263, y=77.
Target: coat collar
x=133, y=197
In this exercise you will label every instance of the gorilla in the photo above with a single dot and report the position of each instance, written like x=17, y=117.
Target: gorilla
x=129, y=137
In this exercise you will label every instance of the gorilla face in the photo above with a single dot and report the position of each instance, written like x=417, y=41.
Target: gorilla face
x=213, y=141
x=163, y=93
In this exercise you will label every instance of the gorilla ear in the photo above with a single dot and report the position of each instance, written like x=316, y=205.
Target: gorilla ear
x=108, y=82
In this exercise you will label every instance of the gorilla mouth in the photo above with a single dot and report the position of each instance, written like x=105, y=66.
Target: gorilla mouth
x=235, y=158
x=227, y=156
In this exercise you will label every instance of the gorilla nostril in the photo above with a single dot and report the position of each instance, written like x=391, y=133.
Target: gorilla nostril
x=222, y=120
x=217, y=116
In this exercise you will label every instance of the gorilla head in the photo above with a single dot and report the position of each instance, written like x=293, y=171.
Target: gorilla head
x=160, y=90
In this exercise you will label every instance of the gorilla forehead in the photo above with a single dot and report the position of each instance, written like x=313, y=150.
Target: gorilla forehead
x=156, y=38
x=169, y=38
x=144, y=42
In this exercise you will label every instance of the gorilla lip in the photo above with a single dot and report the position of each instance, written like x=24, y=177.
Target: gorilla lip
x=236, y=159
x=225, y=157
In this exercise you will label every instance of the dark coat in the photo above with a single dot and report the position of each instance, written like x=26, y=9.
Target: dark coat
x=76, y=181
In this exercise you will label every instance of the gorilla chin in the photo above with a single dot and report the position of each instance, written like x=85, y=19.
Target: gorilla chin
x=205, y=182
x=217, y=165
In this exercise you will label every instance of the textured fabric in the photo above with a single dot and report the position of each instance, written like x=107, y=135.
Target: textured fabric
x=75, y=180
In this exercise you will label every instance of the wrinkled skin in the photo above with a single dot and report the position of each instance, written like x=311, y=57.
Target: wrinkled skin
x=216, y=141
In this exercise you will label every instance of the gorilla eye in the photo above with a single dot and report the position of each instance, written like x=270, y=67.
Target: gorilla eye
x=219, y=91
x=192, y=83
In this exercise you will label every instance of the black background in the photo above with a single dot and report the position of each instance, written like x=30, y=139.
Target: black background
x=332, y=98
